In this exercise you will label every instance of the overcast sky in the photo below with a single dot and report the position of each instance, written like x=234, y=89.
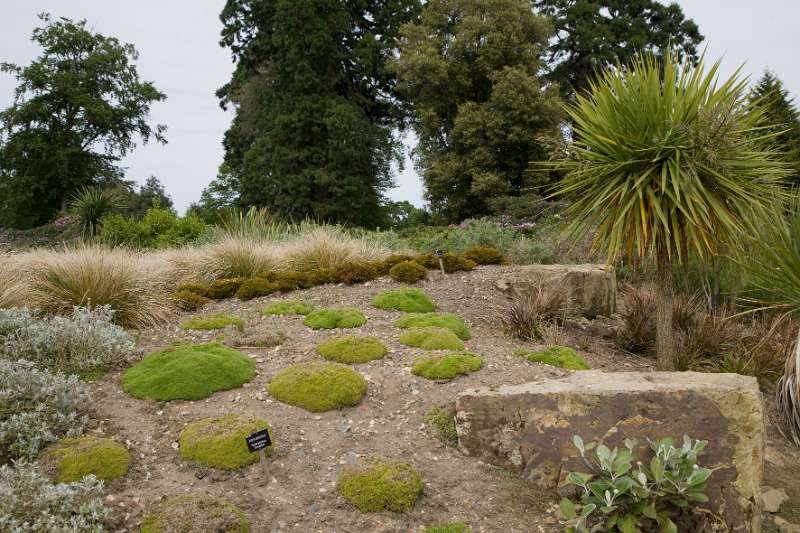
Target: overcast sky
x=177, y=40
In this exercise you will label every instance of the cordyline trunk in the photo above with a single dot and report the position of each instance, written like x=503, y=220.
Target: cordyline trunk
x=664, y=344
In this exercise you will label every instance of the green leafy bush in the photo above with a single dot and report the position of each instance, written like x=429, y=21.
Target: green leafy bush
x=559, y=356
x=620, y=495
x=220, y=442
x=408, y=272
x=431, y=338
x=380, y=485
x=288, y=307
x=213, y=321
x=188, y=372
x=439, y=320
x=446, y=367
x=406, y=300
x=318, y=387
x=159, y=228
x=484, y=255
x=195, y=514
x=73, y=459
x=352, y=349
x=346, y=317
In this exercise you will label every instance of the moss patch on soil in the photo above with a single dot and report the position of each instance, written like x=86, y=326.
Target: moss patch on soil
x=195, y=514
x=431, y=339
x=443, y=420
x=559, y=356
x=451, y=527
x=352, y=349
x=335, y=318
x=188, y=372
x=446, y=367
x=212, y=321
x=256, y=339
x=439, y=320
x=73, y=459
x=220, y=442
x=406, y=300
x=288, y=307
x=318, y=386
x=380, y=485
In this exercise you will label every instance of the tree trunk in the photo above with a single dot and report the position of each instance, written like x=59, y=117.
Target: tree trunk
x=664, y=340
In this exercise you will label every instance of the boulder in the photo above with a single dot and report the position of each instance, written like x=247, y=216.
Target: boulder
x=592, y=289
x=529, y=428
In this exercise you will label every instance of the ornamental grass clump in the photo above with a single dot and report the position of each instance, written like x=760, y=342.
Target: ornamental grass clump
x=318, y=386
x=220, y=442
x=528, y=314
x=352, y=349
x=197, y=513
x=438, y=320
x=213, y=321
x=380, y=485
x=558, y=356
x=446, y=367
x=71, y=460
x=346, y=317
x=431, y=338
x=406, y=300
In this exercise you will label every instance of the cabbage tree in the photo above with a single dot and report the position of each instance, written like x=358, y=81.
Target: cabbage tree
x=667, y=161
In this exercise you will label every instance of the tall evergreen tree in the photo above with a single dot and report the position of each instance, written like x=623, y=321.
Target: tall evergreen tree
x=471, y=69
x=780, y=116
x=78, y=109
x=315, y=105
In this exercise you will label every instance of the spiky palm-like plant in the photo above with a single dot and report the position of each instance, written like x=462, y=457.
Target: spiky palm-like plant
x=666, y=160
x=92, y=204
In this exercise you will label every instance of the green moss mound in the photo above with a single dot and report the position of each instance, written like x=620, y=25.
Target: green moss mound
x=213, y=321
x=335, y=318
x=352, y=349
x=188, y=300
x=381, y=485
x=559, y=356
x=73, y=459
x=446, y=367
x=450, y=527
x=406, y=300
x=288, y=307
x=431, y=339
x=452, y=263
x=318, y=387
x=352, y=273
x=188, y=372
x=484, y=255
x=195, y=514
x=439, y=320
x=408, y=272
x=255, y=288
x=220, y=442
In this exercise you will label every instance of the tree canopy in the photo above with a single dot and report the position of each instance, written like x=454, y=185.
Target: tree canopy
x=780, y=118
x=78, y=109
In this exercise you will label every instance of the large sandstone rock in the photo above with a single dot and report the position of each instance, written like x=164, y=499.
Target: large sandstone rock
x=592, y=288
x=529, y=428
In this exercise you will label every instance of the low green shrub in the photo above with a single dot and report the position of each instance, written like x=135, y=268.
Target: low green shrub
x=256, y=288
x=431, y=338
x=189, y=301
x=318, y=386
x=73, y=459
x=220, y=442
x=352, y=349
x=197, y=287
x=392, y=260
x=221, y=289
x=380, y=485
x=452, y=263
x=192, y=514
x=446, y=367
x=438, y=320
x=288, y=307
x=484, y=255
x=213, y=321
x=450, y=527
x=188, y=372
x=346, y=317
x=406, y=300
x=352, y=273
x=408, y=272
x=559, y=356
x=443, y=420
x=159, y=228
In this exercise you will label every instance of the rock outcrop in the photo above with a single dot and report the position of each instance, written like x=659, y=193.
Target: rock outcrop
x=529, y=428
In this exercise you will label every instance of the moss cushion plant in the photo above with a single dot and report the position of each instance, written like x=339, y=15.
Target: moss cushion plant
x=73, y=459
x=406, y=300
x=220, y=442
x=408, y=272
x=195, y=514
x=439, y=320
x=288, y=307
x=352, y=349
x=213, y=321
x=335, y=318
x=188, y=372
x=450, y=527
x=559, y=356
x=446, y=367
x=431, y=339
x=318, y=386
x=380, y=485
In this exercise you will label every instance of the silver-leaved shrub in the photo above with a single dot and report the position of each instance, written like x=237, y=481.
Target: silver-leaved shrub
x=37, y=408
x=30, y=503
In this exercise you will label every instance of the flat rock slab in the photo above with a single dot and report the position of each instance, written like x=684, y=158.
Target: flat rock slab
x=529, y=428
x=592, y=288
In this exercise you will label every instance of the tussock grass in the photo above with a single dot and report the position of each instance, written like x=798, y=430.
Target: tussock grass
x=15, y=289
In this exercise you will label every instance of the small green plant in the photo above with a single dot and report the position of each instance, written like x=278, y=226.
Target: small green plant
x=346, y=317
x=408, y=272
x=352, y=349
x=443, y=419
x=431, y=338
x=484, y=255
x=438, y=320
x=380, y=485
x=618, y=495
x=559, y=356
x=73, y=459
x=318, y=387
x=195, y=513
x=213, y=321
x=446, y=367
x=189, y=301
x=450, y=527
x=220, y=442
x=288, y=307
x=406, y=300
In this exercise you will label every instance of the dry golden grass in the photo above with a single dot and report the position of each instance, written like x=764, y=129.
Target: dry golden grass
x=15, y=287
x=322, y=247
x=236, y=258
